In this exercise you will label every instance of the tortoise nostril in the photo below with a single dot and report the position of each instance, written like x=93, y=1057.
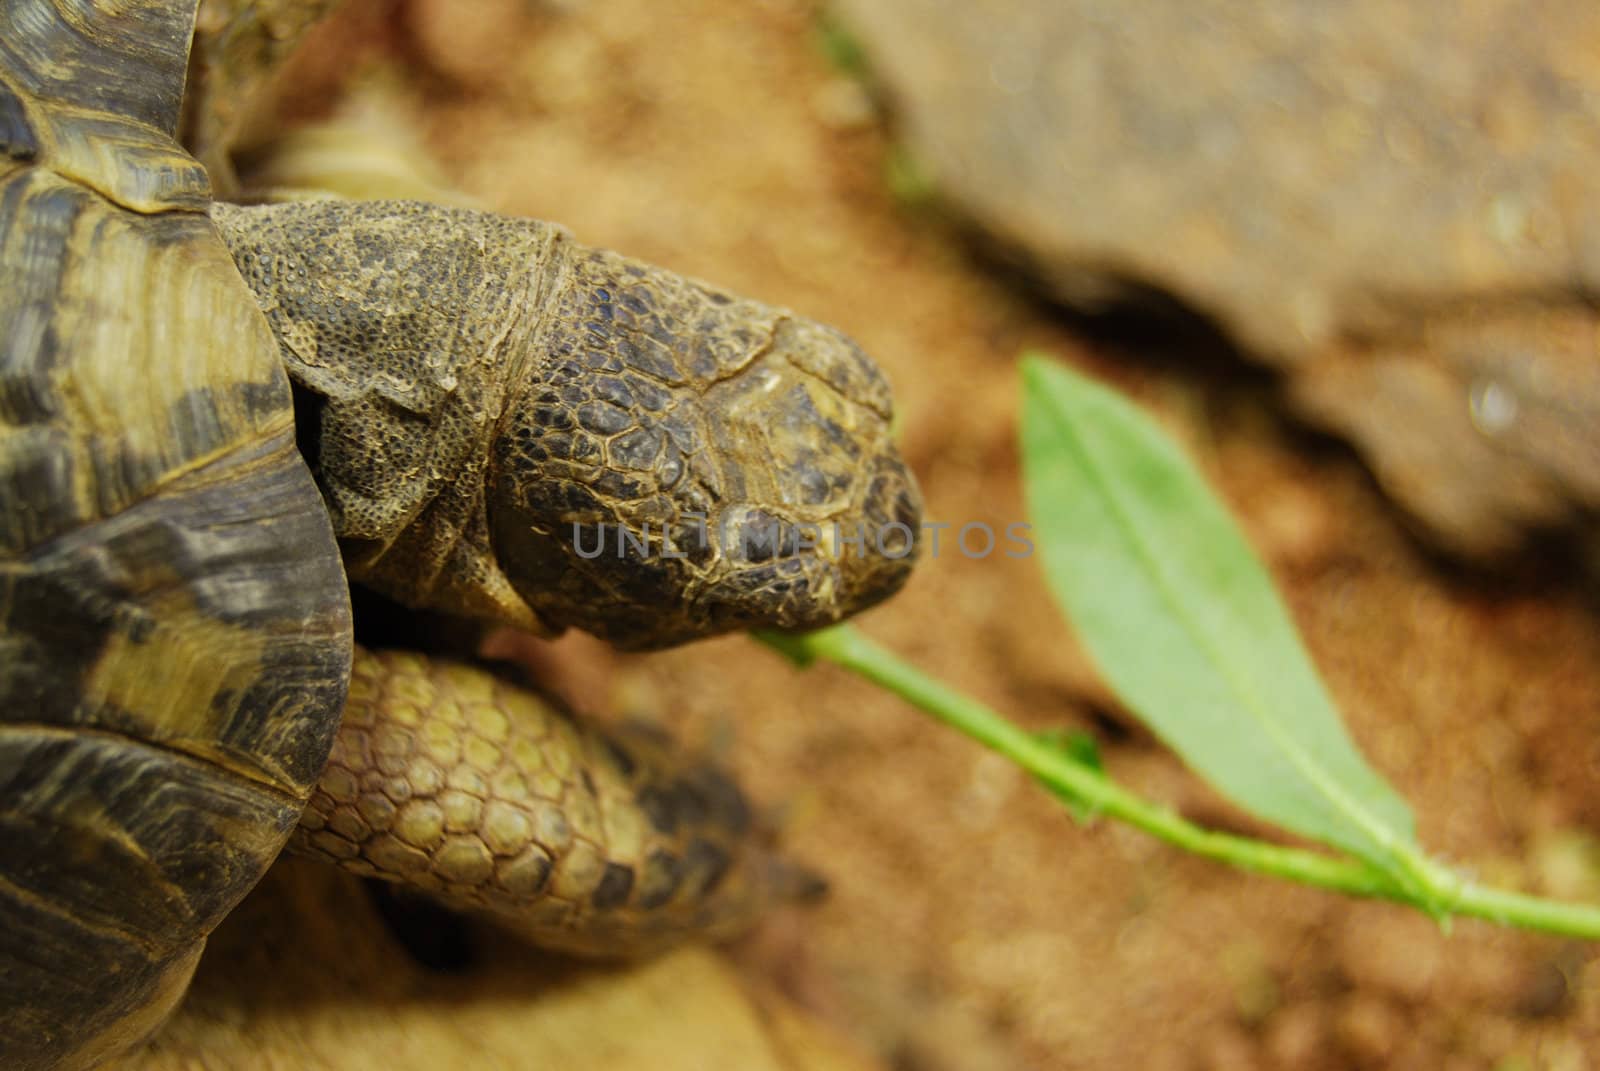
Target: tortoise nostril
x=907, y=508
x=898, y=540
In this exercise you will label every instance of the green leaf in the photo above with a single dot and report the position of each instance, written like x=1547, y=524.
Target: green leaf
x=1183, y=621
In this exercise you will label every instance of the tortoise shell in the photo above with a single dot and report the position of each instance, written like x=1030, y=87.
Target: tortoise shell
x=175, y=634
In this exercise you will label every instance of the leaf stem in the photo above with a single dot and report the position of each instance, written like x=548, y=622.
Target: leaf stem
x=1443, y=891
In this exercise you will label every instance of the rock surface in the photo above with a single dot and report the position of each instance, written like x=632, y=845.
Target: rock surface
x=1394, y=204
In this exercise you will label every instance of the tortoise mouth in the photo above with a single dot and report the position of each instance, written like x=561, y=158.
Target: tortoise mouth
x=748, y=567
x=793, y=575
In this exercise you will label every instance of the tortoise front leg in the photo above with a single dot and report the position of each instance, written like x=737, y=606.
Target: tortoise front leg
x=239, y=45
x=451, y=780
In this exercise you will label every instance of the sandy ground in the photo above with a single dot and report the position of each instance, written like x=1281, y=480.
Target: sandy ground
x=972, y=924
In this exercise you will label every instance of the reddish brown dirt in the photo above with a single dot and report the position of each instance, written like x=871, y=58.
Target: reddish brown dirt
x=972, y=924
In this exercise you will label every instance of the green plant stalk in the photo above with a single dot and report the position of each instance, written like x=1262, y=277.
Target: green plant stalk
x=1452, y=892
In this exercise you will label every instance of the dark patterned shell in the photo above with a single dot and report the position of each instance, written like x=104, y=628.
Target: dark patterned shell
x=174, y=621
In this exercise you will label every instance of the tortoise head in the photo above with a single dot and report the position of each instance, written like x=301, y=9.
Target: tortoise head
x=665, y=461
x=685, y=462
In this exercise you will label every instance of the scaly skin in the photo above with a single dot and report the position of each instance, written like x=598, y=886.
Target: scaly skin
x=472, y=789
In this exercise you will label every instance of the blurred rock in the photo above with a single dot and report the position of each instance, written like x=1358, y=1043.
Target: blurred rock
x=1485, y=422
x=1394, y=204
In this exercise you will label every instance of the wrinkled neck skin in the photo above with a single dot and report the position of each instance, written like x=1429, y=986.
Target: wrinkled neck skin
x=510, y=426
x=402, y=326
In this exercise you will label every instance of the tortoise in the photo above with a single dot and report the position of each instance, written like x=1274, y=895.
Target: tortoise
x=214, y=418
